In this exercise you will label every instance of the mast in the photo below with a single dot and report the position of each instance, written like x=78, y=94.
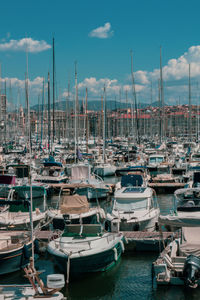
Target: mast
x=104, y=123
x=162, y=98
x=30, y=157
x=0, y=106
x=5, y=115
x=135, y=100
x=75, y=112
x=151, y=127
x=49, y=115
x=42, y=111
x=53, y=92
x=160, y=112
x=189, y=123
x=127, y=131
x=38, y=120
x=67, y=111
x=86, y=112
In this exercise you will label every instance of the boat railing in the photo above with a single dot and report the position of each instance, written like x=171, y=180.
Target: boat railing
x=10, y=240
x=61, y=244
x=98, y=177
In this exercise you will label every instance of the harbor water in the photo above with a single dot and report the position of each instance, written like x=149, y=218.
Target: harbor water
x=130, y=278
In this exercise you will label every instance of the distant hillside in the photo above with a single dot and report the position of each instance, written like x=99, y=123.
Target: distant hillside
x=95, y=105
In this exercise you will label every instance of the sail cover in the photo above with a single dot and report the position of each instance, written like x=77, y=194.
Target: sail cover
x=74, y=204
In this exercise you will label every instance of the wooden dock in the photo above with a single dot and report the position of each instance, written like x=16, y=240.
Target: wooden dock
x=147, y=241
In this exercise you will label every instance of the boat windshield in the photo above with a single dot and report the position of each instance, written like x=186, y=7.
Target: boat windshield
x=127, y=206
x=156, y=159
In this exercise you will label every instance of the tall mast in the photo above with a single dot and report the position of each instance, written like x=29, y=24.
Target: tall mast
x=151, y=127
x=189, y=123
x=5, y=115
x=67, y=111
x=162, y=97
x=87, y=127
x=0, y=103
x=135, y=100
x=75, y=112
x=104, y=124
x=42, y=111
x=53, y=92
x=160, y=112
x=38, y=119
x=30, y=156
x=49, y=115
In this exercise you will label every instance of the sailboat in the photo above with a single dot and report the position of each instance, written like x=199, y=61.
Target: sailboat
x=104, y=168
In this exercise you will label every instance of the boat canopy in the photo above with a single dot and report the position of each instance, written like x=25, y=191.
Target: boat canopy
x=74, y=204
x=50, y=162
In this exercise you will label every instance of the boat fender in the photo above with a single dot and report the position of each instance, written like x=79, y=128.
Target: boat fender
x=115, y=254
x=25, y=252
x=122, y=245
x=36, y=247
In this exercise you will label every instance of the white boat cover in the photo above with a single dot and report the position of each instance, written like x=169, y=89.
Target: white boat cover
x=74, y=205
x=183, y=219
x=191, y=241
x=79, y=172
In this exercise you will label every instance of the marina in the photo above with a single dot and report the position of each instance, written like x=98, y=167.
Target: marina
x=99, y=150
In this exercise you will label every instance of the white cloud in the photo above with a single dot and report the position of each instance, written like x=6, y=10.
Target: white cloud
x=176, y=69
x=102, y=32
x=35, y=84
x=95, y=86
x=24, y=44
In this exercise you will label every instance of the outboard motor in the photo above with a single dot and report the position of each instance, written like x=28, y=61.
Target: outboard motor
x=191, y=271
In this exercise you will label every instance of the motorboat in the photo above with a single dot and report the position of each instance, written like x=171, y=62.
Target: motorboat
x=105, y=169
x=86, y=183
x=86, y=248
x=74, y=209
x=179, y=262
x=15, y=251
x=135, y=206
x=36, y=289
x=17, y=216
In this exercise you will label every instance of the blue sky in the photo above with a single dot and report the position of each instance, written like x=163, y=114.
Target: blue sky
x=99, y=36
